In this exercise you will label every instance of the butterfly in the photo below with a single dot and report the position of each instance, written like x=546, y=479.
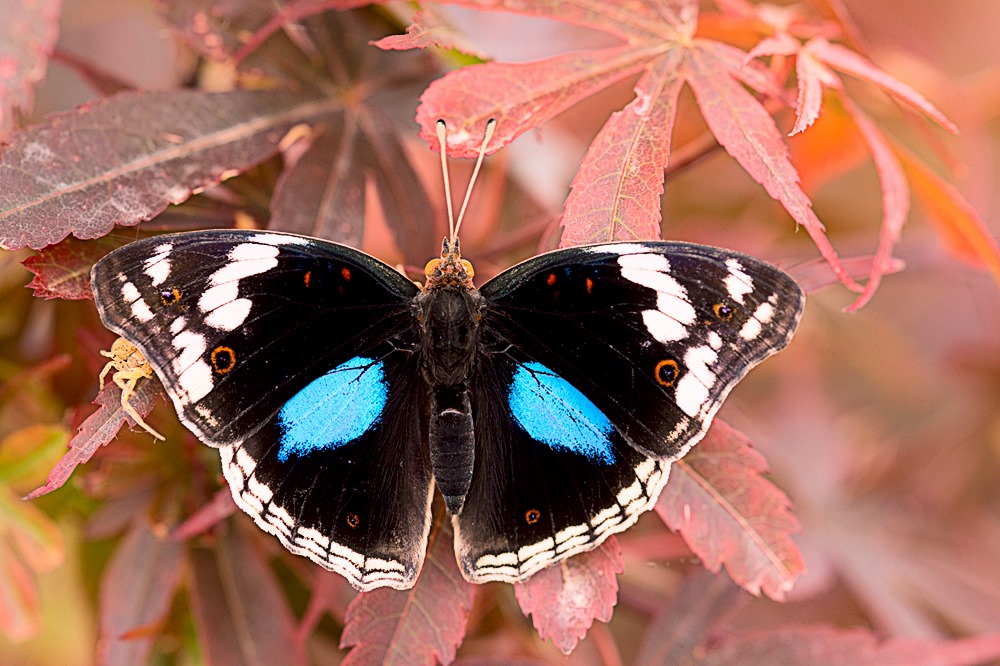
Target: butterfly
x=545, y=405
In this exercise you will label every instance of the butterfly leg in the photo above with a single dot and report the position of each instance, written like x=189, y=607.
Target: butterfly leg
x=127, y=385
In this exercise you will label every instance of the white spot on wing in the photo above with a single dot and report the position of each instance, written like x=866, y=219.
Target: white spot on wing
x=246, y=259
x=229, y=316
x=738, y=283
x=141, y=311
x=157, y=266
x=693, y=388
x=130, y=293
x=217, y=296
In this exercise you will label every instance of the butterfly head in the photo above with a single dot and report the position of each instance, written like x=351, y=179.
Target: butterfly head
x=450, y=270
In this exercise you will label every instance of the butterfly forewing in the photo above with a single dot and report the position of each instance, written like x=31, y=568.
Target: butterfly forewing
x=235, y=323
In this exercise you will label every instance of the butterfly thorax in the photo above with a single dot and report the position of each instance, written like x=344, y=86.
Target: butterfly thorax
x=449, y=311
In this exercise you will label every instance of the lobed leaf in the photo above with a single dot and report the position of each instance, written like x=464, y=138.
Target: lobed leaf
x=635, y=21
x=564, y=600
x=748, y=133
x=616, y=192
x=422, y=625
x=28, y=39
x=123, y=159
x=137, y=589
x=895, y=200
x=729, y=514
x=98, y=429
x=63, y=270
x=519, y=96
x=849, y=62
x=240, y=611
x=323, y=193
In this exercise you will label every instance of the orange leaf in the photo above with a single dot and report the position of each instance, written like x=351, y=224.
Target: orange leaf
x=959, y=224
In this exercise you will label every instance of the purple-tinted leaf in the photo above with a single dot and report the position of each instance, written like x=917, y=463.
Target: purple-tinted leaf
x=635, y=145
x=689, y=618
x=30, y=30
x=210, y=514
x=405, y=204
x=323, y=193
x=136, y=591
x=829, y=646
x=564, y=600
x=124, y=159
x=730, y=515
x=241, y=614
x=816, y=274
x=214, y=28
x=423, y=625
x=98, y=429
x=230, y=29
x=63, y=270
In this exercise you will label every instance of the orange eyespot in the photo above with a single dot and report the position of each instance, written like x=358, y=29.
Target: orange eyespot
x=353, y=520
x=667, y=371
x=170, y=296
x=223, y=359
x=531, y=516
x=722, y=311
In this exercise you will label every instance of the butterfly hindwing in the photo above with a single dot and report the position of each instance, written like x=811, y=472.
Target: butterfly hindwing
x=552, y=476
x=236, y=322
x=600, y=365
x=343, y=477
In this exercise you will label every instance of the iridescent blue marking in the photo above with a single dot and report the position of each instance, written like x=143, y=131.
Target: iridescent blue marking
x=552, y=411
x=333, y=410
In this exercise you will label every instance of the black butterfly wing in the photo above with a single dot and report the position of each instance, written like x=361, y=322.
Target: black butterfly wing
x=295, y=357
x=360, y=505
x=237, y=322
x=599, y=365
x=552, y=477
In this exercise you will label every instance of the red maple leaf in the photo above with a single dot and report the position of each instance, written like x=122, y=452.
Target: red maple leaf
x=616, y=192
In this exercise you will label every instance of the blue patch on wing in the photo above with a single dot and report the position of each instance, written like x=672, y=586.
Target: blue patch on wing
x=552, y=411
x=333, y=410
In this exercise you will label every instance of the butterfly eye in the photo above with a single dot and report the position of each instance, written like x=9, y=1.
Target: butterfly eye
x=431, y=266
x=531, y=516
x=468, y=268
x=723, y=311
x=223, y=359
x=667, y=371
x=170, y=296
x=353, y=520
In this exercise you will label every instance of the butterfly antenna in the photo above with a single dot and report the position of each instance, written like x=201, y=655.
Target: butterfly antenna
x=441, y=132
x=491, y=125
